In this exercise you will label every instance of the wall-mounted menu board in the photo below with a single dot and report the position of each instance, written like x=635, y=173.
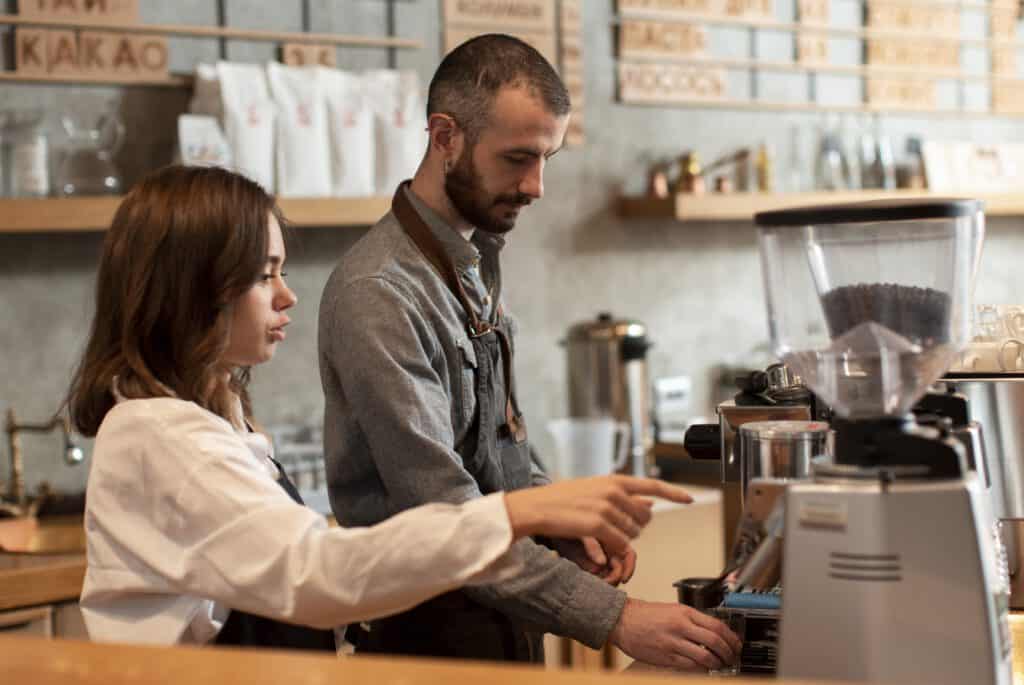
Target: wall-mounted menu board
x=553, y=27
x=955, y=57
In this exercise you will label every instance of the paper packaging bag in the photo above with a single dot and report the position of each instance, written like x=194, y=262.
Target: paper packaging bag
x=201, y=142
x=249, y=120
x=303, y=159
x=206, y=98
x=400, y=125
x=350, y=125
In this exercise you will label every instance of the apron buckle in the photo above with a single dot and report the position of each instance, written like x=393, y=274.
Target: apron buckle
x=516, y=428
x=480, y=329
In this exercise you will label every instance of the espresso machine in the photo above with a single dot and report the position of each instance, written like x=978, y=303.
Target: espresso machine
x=996, y=399
x=775, y=394
x=767, y=437
x=889, y=563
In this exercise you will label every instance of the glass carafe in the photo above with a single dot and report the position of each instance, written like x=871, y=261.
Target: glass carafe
x=95, y=133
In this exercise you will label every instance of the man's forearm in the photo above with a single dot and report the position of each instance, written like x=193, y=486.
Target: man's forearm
x=555, y=596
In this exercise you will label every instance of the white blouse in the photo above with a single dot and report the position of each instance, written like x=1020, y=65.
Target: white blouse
x=184, y=519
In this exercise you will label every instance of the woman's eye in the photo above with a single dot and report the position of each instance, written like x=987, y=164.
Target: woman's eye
x=270, y=277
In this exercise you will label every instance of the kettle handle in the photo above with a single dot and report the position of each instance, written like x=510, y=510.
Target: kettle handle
x=622, y=435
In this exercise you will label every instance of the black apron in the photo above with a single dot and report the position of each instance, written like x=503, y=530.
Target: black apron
x=496, y=453
x=248, y=630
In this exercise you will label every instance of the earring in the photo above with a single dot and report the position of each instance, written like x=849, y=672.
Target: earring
x=447, y=166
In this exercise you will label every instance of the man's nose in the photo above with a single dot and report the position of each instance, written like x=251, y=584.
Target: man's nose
x=532, y=184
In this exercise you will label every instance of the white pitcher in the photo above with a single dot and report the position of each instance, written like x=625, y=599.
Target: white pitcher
x=588, y=446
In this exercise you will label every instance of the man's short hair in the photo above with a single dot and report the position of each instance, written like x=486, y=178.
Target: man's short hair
x=470, y=76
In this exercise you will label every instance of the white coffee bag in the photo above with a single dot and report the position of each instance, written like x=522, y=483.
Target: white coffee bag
x=303, y=157
x=400, y=125
x=350, y=125
x=249, y=120
x=201, y=142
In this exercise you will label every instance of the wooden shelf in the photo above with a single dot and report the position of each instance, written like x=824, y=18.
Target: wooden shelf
x=172, y=80
x=741, y=207
x=95, y=213
x=769, y=106
x=859, y=70
x=197, y=31
x=858, y=33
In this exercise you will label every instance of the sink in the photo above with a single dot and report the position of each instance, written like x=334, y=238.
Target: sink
x=50, y=535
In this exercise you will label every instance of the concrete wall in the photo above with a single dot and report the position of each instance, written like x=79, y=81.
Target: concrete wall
x=697, y=287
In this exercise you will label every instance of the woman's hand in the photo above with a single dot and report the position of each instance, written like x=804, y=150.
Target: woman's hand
x=612, y=509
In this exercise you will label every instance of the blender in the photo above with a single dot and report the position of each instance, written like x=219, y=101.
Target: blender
x=890, y=566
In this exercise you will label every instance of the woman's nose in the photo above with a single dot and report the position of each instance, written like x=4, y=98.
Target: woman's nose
x=285, y=298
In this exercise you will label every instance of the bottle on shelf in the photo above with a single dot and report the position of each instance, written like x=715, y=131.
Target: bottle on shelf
x=26, y=154
x=832, y=169
x=764, y=168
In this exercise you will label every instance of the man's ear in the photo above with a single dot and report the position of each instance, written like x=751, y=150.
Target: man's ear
x=446, y=137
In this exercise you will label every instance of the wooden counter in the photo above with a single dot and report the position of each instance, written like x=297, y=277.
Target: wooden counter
x=66, y=662
x=27, y=580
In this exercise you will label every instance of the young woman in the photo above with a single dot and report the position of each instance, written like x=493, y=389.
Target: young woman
x=195, y=535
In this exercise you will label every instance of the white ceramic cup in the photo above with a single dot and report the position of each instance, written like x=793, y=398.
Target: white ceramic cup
x=588, y=446
x=1011, y=355
x=980, y=357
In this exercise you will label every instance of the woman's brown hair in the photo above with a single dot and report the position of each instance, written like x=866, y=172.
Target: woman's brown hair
x=185, y=243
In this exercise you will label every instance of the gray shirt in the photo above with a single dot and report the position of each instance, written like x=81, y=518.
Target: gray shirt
x=397, y=371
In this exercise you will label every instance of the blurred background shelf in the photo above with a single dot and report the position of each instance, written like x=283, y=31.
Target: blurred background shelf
x=743, y=206
x=24, y=215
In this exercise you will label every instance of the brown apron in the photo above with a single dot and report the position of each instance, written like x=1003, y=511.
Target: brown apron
x=248, y=630
x=496, y=453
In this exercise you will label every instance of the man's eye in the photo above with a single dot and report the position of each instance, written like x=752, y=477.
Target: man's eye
x=513, y=159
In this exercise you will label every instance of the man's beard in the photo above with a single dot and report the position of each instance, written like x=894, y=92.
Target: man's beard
x=466, y=192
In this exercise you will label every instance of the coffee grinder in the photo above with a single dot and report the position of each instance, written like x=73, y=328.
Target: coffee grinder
x=890, y=569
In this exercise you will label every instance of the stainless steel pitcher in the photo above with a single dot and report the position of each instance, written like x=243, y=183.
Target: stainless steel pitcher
x=607, y=362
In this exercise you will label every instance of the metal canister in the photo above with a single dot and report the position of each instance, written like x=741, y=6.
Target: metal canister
x=607, y=361
x=782, y=449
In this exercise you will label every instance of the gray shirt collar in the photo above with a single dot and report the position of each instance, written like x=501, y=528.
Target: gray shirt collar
x=465, y=254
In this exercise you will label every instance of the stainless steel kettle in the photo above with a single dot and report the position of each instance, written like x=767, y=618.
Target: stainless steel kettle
x=608, y=376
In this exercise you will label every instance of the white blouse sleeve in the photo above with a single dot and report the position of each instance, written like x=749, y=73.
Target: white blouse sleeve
x=238, y=539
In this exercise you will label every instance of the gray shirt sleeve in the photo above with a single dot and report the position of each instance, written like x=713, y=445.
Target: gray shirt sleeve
x=538, y=474
x=382, y=349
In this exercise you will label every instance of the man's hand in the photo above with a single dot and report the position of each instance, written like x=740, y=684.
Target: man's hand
x=590, y=555
x=674, y=635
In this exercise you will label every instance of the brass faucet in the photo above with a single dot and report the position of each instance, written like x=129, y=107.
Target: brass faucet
x=17, y=502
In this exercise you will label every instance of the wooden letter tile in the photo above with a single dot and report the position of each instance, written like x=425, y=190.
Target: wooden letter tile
x=30, y=46
x=62, y=53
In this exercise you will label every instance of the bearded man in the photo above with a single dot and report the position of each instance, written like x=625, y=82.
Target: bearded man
x=415, y=350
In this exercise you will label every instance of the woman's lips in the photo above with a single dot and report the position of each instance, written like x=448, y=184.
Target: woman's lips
x=278, y=334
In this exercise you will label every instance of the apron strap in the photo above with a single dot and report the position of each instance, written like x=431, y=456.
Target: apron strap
x=420, y=234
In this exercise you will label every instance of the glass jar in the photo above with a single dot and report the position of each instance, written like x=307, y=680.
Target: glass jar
x=26, y=154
